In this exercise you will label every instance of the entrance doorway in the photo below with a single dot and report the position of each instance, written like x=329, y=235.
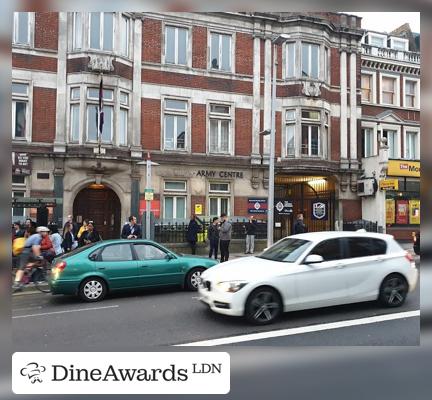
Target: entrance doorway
x=314, y=196
x=99, y=204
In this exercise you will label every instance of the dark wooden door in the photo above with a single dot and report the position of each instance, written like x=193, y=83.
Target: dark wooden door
x=102, y=206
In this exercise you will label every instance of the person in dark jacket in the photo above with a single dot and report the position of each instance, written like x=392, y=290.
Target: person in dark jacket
x=68, y=238
x=213, y=236
x=18, y=232
x=251, y=228
x=90, y=235
x=299, y=226
x=192, y=233
x=74, y=227
x=131, y=230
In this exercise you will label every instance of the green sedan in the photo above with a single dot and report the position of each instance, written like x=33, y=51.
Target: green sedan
x=98, y=268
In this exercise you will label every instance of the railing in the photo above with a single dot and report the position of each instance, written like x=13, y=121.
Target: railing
x=176, y=232
x=392, y=54
x=369, y=226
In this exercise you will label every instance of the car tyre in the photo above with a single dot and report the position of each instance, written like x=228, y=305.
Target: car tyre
x=263, y=306
x=93, y=289
x=192, y=278
x=393, y=291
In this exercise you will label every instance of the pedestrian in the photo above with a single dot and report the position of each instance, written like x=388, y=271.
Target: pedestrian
x=56, y=239
x=46, y=246
x=131, y=230
x=18, y=232
x=69, y=242
x=251, y=228
x=213, y=236
x=299, y=226
x=82, y=232
x=224, y=237
x=192, y=233
x=30, y=223
x=91, y=235
x=74, y=226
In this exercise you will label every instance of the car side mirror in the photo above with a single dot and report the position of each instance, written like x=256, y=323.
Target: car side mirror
x=93, y=257
x=313, y=259
x=169, y=256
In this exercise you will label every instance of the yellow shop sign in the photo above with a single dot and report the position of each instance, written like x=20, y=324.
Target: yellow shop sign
x=403, y=168
x=389, y=184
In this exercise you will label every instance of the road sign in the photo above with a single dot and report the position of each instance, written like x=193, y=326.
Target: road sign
x=148, y=194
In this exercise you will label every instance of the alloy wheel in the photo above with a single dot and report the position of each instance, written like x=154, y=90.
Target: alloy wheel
x=195, y=277
x=264, y=307
x=394, y=291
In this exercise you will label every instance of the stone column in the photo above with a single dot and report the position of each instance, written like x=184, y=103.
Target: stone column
x=58, y=190
x=256, y=107
x=343, y=108
x=61, y=111
x=353, y=110
x=135, y=122
x=267, y=94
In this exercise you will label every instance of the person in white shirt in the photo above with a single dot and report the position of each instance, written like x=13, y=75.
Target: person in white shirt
x=56, y=239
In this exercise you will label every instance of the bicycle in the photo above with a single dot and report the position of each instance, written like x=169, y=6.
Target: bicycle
x=36, y=272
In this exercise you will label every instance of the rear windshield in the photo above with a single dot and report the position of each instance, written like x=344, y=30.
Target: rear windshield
x=286, y=250
x=77, y=251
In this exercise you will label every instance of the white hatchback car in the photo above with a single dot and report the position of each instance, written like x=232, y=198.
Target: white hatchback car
x=311, y=270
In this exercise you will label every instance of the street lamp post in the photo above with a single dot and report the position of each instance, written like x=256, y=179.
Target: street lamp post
x=270, y=207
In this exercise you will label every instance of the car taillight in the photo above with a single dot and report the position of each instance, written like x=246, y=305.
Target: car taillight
x=409, y=257
x=60, y=266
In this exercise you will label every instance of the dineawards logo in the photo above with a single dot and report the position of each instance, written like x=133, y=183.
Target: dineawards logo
x=33, y=371
x=121, y=373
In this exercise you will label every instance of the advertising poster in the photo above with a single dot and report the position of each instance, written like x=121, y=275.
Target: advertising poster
x=402, y=212
x=414, y=212
x=390, y=211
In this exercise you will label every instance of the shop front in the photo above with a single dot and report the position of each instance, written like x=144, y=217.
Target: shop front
x=403, y=199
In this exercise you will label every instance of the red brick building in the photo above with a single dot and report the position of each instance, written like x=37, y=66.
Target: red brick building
x=194, y=91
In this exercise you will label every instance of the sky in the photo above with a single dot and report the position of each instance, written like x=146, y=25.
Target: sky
x=388, y=21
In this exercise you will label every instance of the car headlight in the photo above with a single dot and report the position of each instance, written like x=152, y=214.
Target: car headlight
x=231, y=286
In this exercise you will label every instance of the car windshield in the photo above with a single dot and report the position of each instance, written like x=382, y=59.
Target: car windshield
x=286, y=250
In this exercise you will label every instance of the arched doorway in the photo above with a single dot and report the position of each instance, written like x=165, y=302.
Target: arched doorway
x=99, y=204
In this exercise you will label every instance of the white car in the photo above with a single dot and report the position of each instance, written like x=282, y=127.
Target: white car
x=311, y=270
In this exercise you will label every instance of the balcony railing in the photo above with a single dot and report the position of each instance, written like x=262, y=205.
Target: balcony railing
x=392, y=54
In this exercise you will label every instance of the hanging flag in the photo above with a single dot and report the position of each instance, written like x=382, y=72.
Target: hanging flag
x=100, y=111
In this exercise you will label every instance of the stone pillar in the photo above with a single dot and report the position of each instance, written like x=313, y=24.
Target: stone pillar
x=267, y=94
x=135, y=123
x=61, y=111
x=256, y=108
x=58, y=191
x=343, y=108
x=353, y=110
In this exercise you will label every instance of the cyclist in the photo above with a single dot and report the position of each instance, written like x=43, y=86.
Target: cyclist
x=30, y=253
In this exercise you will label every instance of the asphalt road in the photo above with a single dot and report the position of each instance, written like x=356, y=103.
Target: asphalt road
x=132, y=321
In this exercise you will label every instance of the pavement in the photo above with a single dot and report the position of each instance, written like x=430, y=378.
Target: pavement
x=153, y=317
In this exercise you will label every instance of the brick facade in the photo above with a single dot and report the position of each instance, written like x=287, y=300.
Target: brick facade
x=198, y=128
x=44, y=115
x=32, y=62
x=243, y=131
x=244, y=54
x=198, y=200
x=46, y=30
x=151, y=40
x=352, y=210
x=199, y=47
x=150, y=124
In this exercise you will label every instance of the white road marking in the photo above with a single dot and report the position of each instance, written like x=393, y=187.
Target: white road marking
x=63, y=312
x=303, y=329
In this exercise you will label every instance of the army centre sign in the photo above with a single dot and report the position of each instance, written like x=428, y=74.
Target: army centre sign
x=219, y=174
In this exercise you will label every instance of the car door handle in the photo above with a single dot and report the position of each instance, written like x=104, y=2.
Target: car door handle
x=101, y=268
x=143, y=266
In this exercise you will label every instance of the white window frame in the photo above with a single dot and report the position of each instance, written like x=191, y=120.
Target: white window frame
x=175, y=190
x=370, y=132
x=75, y=29
x=102, y=32
x=23, y=191
x=407, y=130
x=22, y=98
x=231, y=51
x=397, y=129
x=310, y=45
x=219, y=191
x=286, y=60
x=176, y=46
x=175, y=112
x=219, y=208
x=377, y=35
x=219, y=117
x=374, y=127
x=416, y=93
x=175, y=197
x=122, y=19
x=309, y=125
x=397, y=89
x=401, y=40
x=289, y=122
x=30, y=30
x=18, y=184
x=373, y=87
x=91, y=101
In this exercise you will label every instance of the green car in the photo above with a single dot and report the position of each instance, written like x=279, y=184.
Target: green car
x=98, y=268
